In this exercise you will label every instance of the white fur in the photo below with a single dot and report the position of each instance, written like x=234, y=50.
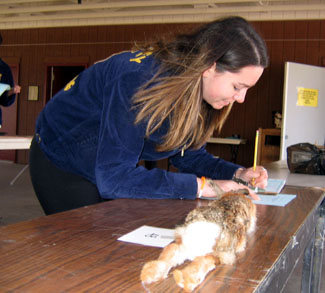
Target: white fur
x=202, y=274
x=198, y=238
x=252, y=225
x=227, y=258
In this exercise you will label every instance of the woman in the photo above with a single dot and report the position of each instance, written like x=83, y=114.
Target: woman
x=7, y=98
x=163, y=101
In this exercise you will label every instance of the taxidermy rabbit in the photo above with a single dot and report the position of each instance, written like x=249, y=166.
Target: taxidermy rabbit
x=211, y=235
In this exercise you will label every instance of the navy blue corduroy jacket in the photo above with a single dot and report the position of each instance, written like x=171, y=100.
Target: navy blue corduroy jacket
x=88, y=128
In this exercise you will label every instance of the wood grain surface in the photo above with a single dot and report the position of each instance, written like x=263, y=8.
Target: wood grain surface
x=78, y=250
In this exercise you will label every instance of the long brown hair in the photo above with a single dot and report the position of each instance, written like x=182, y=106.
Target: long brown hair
x=175, y=92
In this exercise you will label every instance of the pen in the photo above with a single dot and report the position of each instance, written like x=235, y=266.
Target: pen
x=255, y=154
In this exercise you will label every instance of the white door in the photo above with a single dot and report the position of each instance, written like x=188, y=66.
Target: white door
x=303, y=110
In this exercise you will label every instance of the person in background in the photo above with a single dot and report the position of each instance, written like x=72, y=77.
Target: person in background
x=8, y=97
x=162, y=100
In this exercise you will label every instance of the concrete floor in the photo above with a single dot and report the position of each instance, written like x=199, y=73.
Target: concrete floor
x=19, y=203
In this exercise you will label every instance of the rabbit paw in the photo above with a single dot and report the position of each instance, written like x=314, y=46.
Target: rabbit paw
x=153, y=271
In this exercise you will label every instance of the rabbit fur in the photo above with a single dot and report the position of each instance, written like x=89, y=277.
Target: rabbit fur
x=210, y=235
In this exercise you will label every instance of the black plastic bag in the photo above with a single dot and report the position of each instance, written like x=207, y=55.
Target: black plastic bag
x=306, y=158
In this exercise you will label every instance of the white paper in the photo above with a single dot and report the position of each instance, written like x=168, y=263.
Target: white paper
x=4, y=87
x=150, y=236
x=279, y=200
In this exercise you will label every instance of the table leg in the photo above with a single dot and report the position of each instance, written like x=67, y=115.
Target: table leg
x=150, y=164
x=234, y=152
x=18, y=175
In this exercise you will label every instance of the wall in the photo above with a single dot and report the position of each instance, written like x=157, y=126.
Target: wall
x=296, y=41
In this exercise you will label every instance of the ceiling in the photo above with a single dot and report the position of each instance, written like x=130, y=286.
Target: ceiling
x=16, y=14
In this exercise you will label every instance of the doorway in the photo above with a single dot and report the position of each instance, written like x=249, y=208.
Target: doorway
x=57, y=76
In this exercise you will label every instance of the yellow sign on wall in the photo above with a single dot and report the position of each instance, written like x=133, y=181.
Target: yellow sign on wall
x=307, y=97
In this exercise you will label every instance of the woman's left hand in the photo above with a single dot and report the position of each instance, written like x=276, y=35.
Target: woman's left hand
x=257, y=178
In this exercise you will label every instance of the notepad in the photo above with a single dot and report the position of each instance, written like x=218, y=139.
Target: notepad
x=4, y=87
x=279, y=200
x=150, y=236
x=273, y=185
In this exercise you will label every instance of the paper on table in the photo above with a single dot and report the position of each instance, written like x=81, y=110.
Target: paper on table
x=151, y=236
x=273, y=185
x=4, y=87
x=272, y=200
x=279, y=200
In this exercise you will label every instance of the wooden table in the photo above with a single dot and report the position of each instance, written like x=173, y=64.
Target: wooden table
x=78, y=250
x=232, y=142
